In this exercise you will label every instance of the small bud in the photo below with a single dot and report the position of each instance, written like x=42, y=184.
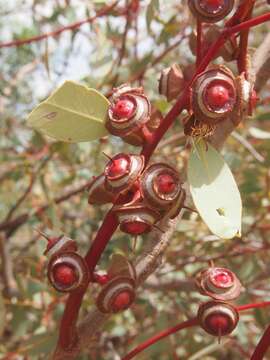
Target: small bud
x=171, y=82
x=122, y=171
x=128, y=114
x=210, y=11
x=218, y=318
x=117, y=295
x=218, y=283
x=68, y=272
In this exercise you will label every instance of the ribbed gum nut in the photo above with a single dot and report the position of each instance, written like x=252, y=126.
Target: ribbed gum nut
x=136, y=219
x=122, y=171
x=214, y=95
x=98, y=194
x=218, y=318
x=67, y=272
x=117, y=295
x=161, y=185
x=171, y=82
x=59, y=244
x=128, y=113
x=210, y=11
x=218, y=283
x=227, y=51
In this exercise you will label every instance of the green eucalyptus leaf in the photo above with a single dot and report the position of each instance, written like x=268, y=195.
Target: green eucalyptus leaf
x=214, y=191
x=73, y=113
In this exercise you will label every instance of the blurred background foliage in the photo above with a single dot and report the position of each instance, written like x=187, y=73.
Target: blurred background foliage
x=35, y=171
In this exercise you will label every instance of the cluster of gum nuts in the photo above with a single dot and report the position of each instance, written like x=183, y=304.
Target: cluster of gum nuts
x=142, y=196
x=218, y=317
x=68, y=272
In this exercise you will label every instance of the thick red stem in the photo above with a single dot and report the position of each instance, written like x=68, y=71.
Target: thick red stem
x=68, y=335
x=161, y=335
x=199, y=43
x=242, y=60
x=262, y=346
x=264, y=342
x=181, y=326
x=103, y=236
x=253, y=306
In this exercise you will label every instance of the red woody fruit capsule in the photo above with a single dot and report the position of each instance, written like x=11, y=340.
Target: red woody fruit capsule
x=218, y=283
x=171, y=82
x=218, y=318
x=162, y=188
x=67, y=272
x=98, y=194
x=136, y=219
x=210, y=11
x=129, y=114
x=117, y=295
x=122, y=171
x=214, y=95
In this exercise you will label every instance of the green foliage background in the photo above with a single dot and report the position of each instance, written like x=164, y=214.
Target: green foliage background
x=29, y=309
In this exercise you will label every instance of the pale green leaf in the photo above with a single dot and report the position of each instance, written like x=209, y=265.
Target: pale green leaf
x=259, y=134
x=73, y=113
x=214, y=191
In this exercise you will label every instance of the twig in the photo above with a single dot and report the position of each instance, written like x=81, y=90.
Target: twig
x=161, y=335
x=248, y=146
x=261, y=63
x=12, y=225
x=104, y=11
x=10, y=284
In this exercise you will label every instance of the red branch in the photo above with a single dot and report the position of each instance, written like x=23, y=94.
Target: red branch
x=253, y=306
x=262, y=346
x=159, y=336
x=104, y=11
x=199, y=43
x=67, y=331
x=184, y=325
